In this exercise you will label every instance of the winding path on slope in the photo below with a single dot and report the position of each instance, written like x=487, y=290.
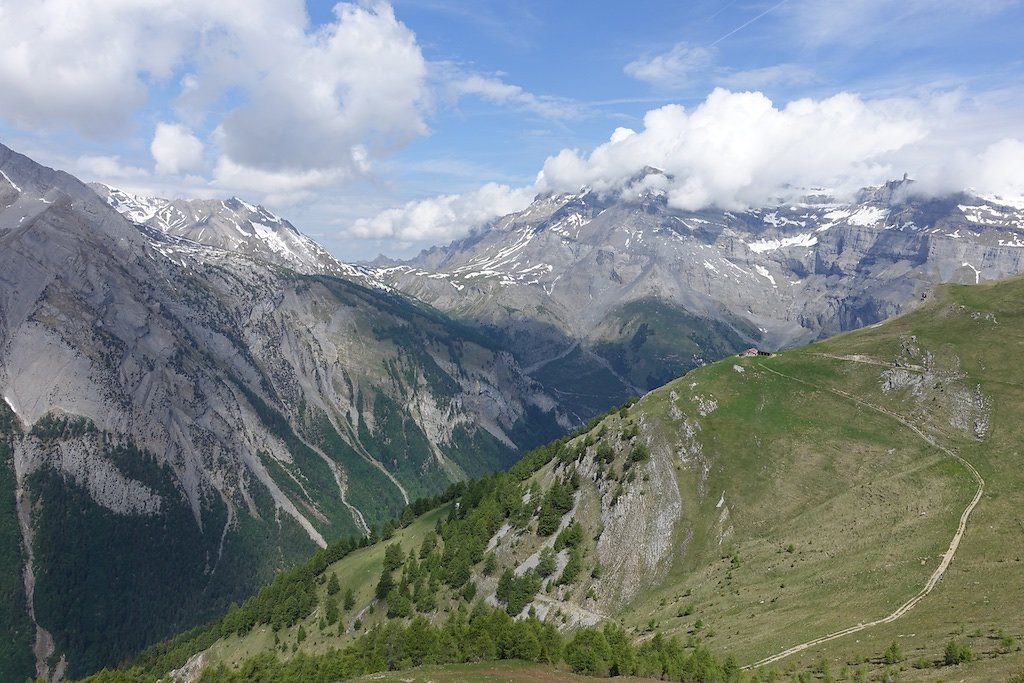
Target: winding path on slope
x=947, y=558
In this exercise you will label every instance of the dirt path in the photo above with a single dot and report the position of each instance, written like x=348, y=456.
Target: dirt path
x=947, y=557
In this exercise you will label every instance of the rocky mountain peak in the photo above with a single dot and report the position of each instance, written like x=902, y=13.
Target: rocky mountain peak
x=194, y=395
x=234, y=225
x=576, y=269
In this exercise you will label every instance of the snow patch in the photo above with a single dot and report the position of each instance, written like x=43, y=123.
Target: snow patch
x=868, y=215
x=8, y=179
x=776, y=220
x=10, y=404
x=763, y=272
x=805, y=239
x=1012, y=202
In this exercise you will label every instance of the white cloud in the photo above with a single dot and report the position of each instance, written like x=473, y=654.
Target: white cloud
x=356, y=83
x=96, y=167
x=175, y=149
x=283, y=99
x=673, y=69
x=446, y=217
x=278, y=188
x=999, y=169
x=497, y=91
x=739, y=149
x=84, y=63
x=995, y=170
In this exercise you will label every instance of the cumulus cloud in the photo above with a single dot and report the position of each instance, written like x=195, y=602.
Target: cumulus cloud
x=356, y=83
x=739, y=149
x=995, y=170
x=672, y=69
x=84, y=63
x=175, y=149
x=278, y=188
x=999, y=169
x=446, y=217
x=284, y=98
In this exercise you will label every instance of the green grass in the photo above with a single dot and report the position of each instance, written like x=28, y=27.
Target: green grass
x=861, y=498
x=833, y=510
x=487, y=672
x=358, y=571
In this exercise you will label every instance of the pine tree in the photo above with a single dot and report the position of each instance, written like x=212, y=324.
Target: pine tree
x=384, y=585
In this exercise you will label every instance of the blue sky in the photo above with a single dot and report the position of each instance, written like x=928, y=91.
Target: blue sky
x=387, y=128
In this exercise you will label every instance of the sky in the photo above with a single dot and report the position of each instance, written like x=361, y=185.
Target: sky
x=386, y=128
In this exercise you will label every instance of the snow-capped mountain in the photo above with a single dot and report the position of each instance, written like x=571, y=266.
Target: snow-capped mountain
x=236, y=226
x=576, y=276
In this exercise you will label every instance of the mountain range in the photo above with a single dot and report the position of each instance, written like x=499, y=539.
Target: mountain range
x=185, y=418
x=845, y=510
x=197, y=396
x=628, y=292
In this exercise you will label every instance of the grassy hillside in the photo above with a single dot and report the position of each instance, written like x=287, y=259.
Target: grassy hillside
x=752, y=506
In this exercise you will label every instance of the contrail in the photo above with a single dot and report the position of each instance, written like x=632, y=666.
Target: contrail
x=723, y=8
x=748, y=23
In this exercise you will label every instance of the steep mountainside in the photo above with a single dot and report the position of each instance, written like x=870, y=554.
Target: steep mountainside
x=180, y=420
x=637, y=292
x=805, y=510
x=233, y=225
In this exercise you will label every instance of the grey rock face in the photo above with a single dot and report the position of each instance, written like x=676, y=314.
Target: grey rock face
x=225, y=365
x=779, y=275
x=232, y=225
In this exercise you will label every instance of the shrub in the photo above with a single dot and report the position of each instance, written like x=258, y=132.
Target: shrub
x=957, y=653
x=570, y=537
x=517, y=591
x=893, y=653
x=547, y=562
x=572, y=568
x=640, y=453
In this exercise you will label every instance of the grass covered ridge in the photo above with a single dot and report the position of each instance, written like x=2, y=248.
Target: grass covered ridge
x=747, y=507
